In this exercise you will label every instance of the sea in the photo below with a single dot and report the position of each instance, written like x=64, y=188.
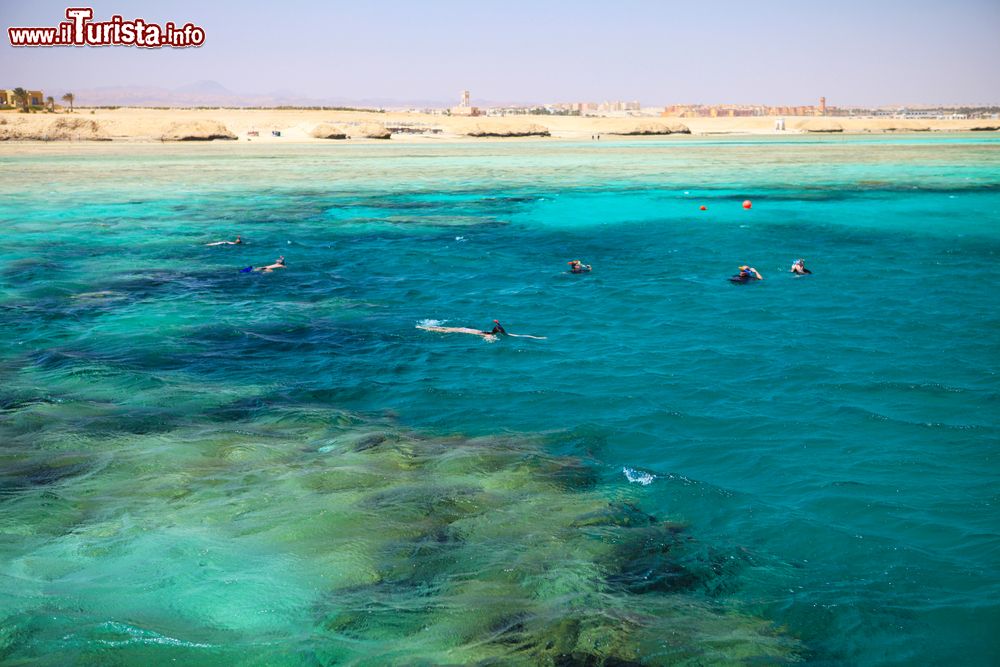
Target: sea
x=205, y=466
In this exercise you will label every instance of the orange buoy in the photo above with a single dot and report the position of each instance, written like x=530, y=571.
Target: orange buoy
x=747, y=204
x=703, y=208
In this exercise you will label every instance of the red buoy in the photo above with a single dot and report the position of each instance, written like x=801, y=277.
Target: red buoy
x=747, y=204
x=703, y=208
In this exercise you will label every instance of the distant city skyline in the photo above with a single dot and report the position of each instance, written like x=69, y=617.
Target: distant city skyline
x=400, y=53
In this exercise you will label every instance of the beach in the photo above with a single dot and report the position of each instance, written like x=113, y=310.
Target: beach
x=297, y=126
x=214, y=467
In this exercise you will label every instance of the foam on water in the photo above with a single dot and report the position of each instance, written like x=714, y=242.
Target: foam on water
x=638, y=477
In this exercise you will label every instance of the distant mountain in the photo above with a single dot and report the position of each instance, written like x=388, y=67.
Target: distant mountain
x=212, y=93
x=204, y=88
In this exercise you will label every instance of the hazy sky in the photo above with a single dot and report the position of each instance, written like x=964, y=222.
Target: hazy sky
x=868, y=52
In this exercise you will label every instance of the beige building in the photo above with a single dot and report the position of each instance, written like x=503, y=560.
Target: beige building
x=465, y=107
x=733, y=111
x=35, y=98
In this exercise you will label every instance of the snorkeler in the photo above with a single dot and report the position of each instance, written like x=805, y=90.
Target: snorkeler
x=238, y=241
x=497, y=329
x=576, y=266
x=746, y=274
x=491, y=335
x=278, y=264
x=799, y=267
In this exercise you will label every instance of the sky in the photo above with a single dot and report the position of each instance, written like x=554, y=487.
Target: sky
x=856, y=53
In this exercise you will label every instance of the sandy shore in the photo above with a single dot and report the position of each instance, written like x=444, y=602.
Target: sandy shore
x=150, y=125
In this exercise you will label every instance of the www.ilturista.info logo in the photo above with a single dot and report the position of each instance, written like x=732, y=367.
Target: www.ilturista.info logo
x=79, y=30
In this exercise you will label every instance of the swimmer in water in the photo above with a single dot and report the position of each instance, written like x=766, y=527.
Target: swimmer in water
x=278, y=264
x=491, y=335
x=238, y=241
x=746, y=274
x=576, y=266
x=799, y=267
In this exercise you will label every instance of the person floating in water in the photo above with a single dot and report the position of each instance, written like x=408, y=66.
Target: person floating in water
x=576, y=266
x=746, y=274
x=238, y=241
x=278, y=264
x=491, y=335
x=799, y=267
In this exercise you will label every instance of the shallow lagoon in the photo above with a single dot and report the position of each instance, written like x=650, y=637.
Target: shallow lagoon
x=218, y=467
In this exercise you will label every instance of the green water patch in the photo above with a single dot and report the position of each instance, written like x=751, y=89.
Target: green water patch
x=302, y=535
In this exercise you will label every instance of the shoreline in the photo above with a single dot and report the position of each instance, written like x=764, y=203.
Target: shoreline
x=154, y=126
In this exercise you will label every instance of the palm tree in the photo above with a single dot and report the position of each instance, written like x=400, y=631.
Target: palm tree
x=68, y=97
x=51, y=102
x=21, y=99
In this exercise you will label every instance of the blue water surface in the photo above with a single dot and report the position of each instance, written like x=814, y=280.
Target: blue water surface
x=841, y=428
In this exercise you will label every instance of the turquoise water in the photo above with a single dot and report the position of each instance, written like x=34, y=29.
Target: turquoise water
x=222, y=468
